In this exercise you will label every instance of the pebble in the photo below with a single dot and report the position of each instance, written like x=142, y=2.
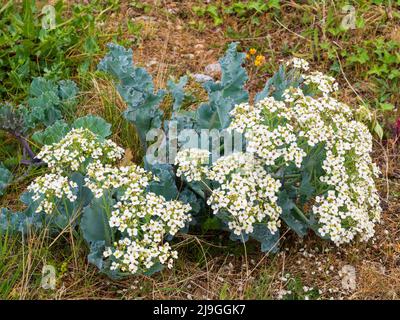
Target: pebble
x=212, y=69
x=199, y=77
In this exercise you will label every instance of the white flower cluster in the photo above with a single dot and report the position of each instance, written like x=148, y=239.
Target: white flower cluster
x=247, y=193
x=142, y=218
x=269, y=140
x=73, y=153
x=101, y=177
x=280, y=132
x=51, y=188
x=324, y=83
x=192, y=163
x=77, y=149
x=298, y=63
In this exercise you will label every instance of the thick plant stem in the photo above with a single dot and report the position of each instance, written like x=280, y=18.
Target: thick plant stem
x=27, y=150
x=300, y=213
x=25, y=145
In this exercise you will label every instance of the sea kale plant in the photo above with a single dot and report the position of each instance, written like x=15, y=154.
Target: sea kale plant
x=123, y=222
x=305, y=162
x=47, y=103
x=302, y=163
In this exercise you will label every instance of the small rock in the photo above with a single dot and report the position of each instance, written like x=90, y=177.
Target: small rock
x=189, y=56
x=151, y=63
x=348, y=274
x=213, y=69
x=199, y=77
x=145, y=18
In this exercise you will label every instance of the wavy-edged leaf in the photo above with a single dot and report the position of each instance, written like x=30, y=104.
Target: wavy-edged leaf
x=51, y=134
x=20, y=222
x=289, y=215
x=96, y=124
x=269, y=242
x=177, y=91
x=166, y=186
x=5, y=178
x=94, y=222
x=135, y=85
x=225, y=94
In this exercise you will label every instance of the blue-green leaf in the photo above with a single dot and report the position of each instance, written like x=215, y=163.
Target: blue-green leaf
x=20, y=222
x=289, y=215
x=225, y=94
x=95, y=124
x=269, y=242
x=95, y=255
x=94, y=221
x=166, y=186
x=177, y=91
x=5, y=178
x=135, y=85
x=51, y=134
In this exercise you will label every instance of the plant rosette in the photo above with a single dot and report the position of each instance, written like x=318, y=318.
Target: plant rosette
x=307, y=162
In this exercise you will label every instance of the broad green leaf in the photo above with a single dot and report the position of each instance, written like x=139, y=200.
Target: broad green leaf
x=378, y=130
x=269, y=242
x=135, y=85
x=12, y=119
x=20, y=222
x=51, y=134
x=95, y=124
x=211, y=223
x=94, y=221
x=386, y=106
x=223, y=95
x=48, y=100
x=5, y=178
x=95, y=255
x=244, y=237
x=306, y=189
x=166, y=186
x=177, y=91
x=289, y=215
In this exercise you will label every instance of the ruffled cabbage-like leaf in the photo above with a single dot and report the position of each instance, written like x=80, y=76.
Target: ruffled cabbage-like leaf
x=66, y=213
x=177, y=91
x=95, y=124
x=278, y=83
x=11, y=119
x=5, y=178
x=43, y=103
x=135, y=85
x=95, y=255
x=94, y=222
x=51, y=134
x=296, y=222
x=20, y=222
x=48, y=100
x=269, y=242
x=225, y=94
x=68, y=91
x=166, y=185
x=60, y=128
